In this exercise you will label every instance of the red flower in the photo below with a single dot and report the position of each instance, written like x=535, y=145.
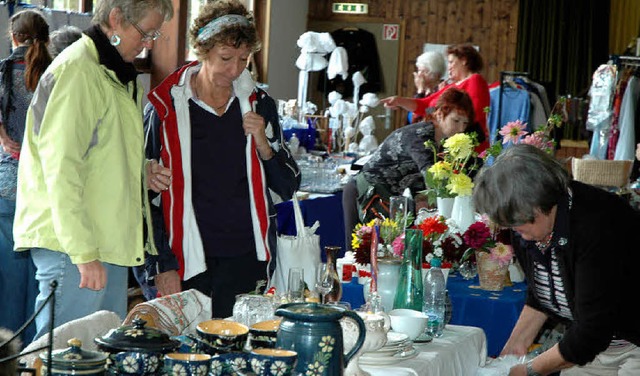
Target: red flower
x=432, y=226
x=477, y=235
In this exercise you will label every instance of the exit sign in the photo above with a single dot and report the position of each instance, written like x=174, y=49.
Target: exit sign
x=350, y=8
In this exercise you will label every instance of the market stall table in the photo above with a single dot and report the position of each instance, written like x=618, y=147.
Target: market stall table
x=494, y=311
x=461, y=351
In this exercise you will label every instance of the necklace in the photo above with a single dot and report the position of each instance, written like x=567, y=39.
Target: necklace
x=544, y=244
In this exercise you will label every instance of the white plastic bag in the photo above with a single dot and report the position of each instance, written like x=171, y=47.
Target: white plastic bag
x=302, y=250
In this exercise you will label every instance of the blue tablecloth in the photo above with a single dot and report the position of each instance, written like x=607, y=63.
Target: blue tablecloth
x=496, y=312
x=353, y=292
x=327, y=210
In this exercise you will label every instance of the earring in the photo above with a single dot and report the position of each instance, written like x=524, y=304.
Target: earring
x=114, y=40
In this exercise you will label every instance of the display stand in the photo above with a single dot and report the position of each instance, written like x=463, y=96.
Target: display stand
x=49, y=347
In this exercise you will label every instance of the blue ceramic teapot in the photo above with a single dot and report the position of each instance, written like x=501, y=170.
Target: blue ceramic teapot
x=313, y=330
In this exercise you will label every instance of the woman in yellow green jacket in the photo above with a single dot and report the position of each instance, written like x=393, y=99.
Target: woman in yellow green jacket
x=81, y=193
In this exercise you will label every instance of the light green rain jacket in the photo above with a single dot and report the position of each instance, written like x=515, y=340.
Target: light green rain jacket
x=80, y=176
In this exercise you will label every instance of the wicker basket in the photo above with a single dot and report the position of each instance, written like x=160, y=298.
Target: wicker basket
x=606, y=173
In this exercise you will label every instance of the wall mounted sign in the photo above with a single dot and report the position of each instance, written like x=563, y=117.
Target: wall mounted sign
x=390, y=31
x=350, y=8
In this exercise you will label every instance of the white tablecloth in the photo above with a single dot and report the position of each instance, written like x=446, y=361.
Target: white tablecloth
x=461, y=351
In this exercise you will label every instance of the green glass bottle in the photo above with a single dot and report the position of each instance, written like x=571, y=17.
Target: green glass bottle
x=409, y=291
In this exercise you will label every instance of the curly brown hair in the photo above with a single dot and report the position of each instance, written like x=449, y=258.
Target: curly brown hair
x=231, y=35
x=468, y=53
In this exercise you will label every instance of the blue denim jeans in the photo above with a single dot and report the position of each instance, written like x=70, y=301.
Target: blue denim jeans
x=73, y=302
x=18, y=287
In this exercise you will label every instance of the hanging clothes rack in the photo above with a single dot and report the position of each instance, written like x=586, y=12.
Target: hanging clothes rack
x=503, y=76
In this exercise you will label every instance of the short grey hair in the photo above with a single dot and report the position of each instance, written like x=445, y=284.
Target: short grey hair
x=523, y=180
x=132, y=10
x=63, y=38
x=433, y=62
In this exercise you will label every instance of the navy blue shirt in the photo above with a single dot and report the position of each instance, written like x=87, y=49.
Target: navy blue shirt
x=222, y=211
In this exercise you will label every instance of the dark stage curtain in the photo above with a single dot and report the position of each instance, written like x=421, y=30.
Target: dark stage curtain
x=562, y=42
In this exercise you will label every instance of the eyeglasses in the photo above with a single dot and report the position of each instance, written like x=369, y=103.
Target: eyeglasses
x=147, y=37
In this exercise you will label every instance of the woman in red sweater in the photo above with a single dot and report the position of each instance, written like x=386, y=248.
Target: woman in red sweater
x=464, y=63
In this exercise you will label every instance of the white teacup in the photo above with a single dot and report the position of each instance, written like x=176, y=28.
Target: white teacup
x=408, y=321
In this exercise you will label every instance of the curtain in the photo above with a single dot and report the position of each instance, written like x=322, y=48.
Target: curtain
x=625, y=26
x=562, y=42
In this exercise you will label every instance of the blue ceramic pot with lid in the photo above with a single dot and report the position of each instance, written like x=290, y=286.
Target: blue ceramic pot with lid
x=313, y=330
x=136, y=349
x=73, y=361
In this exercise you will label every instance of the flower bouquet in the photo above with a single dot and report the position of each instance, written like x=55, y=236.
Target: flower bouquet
x=449, y=175
x=390, y=243
x=442, y=240
x=493, y=254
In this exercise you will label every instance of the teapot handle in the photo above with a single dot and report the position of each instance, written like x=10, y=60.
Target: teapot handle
x=362, y=332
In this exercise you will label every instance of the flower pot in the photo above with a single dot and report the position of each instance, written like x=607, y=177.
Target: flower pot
x=445, y=206
x=491, y=273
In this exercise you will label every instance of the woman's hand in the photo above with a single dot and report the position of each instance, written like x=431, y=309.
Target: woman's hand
x=638, y=151
x=92, y=275
x=8, y=144
x=420, y=82
x=395, y=101
x=254, y=125
x=168, y=283
x=158, y=176
x=518, y=370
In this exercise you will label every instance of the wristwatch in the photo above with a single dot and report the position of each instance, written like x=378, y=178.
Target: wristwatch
x=530, y=371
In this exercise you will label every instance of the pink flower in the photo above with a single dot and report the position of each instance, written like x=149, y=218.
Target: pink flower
x=398, y=245
x=513, y=131
x=501, y=253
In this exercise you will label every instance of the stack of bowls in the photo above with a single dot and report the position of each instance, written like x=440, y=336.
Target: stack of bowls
x=221, y=336
x=264, y=334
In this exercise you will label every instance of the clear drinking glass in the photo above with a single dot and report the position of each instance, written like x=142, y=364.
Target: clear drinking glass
x=295, y=286
x=398, y=210
x=251, y=308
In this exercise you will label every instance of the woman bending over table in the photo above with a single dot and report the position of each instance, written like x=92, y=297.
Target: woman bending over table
x=577, y=246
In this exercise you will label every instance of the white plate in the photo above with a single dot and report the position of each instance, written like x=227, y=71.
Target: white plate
x=396, y=337
x=376, y=360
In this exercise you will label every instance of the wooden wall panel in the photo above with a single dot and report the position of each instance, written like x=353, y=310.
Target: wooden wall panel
x=490, y=24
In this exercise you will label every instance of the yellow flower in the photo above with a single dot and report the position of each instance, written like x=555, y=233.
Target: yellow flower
x=440, y=170
x=460, y=146
x=460, y=184
x=355, y=241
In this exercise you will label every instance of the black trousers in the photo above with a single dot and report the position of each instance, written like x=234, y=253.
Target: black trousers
x=227, y=277
x=350, y=210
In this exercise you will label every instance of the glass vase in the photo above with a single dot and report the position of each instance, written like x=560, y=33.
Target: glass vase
x=388, y=274
x=409, y=290
x=331, y=253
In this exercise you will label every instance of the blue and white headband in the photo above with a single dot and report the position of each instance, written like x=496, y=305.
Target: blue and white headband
x=215, y=25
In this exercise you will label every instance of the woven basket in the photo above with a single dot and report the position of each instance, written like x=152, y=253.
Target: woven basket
x=606, y=173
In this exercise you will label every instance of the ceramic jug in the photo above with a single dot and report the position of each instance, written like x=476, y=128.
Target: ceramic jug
x=313, y=330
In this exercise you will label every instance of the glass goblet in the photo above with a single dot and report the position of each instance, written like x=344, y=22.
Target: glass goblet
x=324, y=281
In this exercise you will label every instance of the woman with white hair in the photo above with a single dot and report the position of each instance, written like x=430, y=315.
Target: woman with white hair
x=427, y=78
